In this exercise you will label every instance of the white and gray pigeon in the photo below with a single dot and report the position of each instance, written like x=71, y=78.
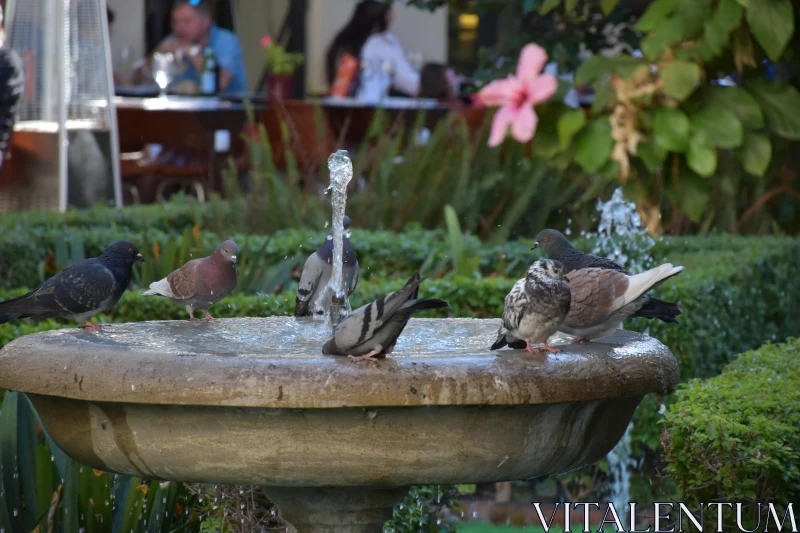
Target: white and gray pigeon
x=317, y=271
x=603, y=298
x=12, y=82
x=372, y=331
x=202, y=282
x=81, y=290
x=535, y=307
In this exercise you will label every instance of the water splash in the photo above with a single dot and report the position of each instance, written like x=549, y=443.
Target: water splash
x=621, y=236
x=341, y=170
x=620, y=463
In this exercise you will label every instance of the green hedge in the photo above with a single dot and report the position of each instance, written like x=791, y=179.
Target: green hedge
x=736, y=437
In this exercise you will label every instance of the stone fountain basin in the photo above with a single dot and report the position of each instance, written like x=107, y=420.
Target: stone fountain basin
x=253, y=401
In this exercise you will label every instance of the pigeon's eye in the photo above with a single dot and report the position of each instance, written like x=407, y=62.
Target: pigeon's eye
x=130, y=250
x=545, y=239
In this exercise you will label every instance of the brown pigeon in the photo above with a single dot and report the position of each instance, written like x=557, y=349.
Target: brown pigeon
x=201, y=283
x=602, y=298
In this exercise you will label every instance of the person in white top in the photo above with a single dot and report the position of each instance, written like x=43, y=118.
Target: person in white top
x=366, y=36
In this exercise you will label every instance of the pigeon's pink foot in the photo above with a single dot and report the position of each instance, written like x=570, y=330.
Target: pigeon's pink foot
x=207, y=317
x=93, y=327
x=367, y=356
x=192, y=318
x=548, y=348
x=528, y=347
x=579, y=340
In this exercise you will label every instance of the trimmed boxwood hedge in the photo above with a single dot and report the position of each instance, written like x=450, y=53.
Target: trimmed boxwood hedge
x=736, y=437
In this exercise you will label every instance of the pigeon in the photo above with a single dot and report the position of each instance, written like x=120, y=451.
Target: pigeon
x=535, y=307
x=603, y=298
x=317, y=271
x=202, y=282
x=371, y=331
x=558, y=247
x=81, y=290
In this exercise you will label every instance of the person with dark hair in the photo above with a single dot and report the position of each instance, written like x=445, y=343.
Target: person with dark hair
x=367, y=38
x=437, y=81
x=192, y=31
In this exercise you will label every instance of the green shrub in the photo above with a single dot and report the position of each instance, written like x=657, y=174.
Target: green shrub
x=736, y=437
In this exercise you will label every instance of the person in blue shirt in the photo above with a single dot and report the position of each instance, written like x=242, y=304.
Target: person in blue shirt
x=192, y=31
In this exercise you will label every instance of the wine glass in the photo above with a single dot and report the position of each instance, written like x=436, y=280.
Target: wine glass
x=163, y=71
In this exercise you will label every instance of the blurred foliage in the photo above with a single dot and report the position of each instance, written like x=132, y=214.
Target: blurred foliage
x=425, y=509
x=736, y=437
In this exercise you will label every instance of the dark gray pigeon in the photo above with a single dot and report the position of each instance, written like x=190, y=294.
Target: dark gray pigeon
x=317, y=271
x=535, y=307
x=372, y=330
x=202, y=282
x=603, y=298
x=81, y=290
x=557, y=247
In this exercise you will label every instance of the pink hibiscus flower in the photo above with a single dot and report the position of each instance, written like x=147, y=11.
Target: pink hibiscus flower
x=266, y=41
x=516, y=96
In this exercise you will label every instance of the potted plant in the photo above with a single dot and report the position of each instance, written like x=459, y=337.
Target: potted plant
x=280, y=68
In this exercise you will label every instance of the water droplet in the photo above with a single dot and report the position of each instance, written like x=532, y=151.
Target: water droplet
x=133, y=387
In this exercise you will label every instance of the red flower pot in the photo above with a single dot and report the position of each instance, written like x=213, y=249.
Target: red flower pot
x=279, y=86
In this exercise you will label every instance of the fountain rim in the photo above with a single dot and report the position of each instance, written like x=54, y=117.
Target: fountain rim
x=625, y=364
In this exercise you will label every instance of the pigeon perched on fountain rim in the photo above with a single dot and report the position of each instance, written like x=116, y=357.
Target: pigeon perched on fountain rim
x=602, y=299
x=371, y=331
x=202, y=282
x=81, y=290
x=535, y=307
x=558, y=247
x=317, y=271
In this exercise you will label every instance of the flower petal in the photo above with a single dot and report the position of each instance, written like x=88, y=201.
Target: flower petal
x=499, y=92
x=532, y=60
x=523, y=125
x=502, y=118
x=541, y=88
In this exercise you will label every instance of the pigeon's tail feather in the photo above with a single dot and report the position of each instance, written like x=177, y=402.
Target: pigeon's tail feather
x=500, y=342
x=426, y=304
x=160, y=288
x=504, y=339
x=664, y=311
x=301, y=307
x=646, y=281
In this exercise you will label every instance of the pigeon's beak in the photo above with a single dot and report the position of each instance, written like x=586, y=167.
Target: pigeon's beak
x=535, y=246
x=233, y=259
x=139, y=257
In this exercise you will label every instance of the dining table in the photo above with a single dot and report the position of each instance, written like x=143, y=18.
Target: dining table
x=208, y=128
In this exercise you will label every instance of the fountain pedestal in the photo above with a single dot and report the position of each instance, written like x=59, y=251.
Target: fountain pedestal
x=335, y=443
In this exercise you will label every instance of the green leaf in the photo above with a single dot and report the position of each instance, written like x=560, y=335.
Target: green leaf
x=716, y=127
x=651, y=154
x=702, y=159
x=728, y=15
x=9, y=459
x=772, y=24
x=608, y=6
x=655, y=14
x=664, y=36
x=569, y=5
x=755, y=153
x=592, y=69
x=594, y=144
x=570, y=123
x=781, y=105
x=548, y=6
x=738, y=101
x=671, y=129
x=680, y=78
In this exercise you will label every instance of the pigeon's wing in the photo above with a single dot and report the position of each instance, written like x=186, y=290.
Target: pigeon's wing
x=84, y=287
x=593, y=261
x=313, y=271
x=595, y=294
x=515, y=305
x=362, y=323
x=353, y=279
x=183, y=282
